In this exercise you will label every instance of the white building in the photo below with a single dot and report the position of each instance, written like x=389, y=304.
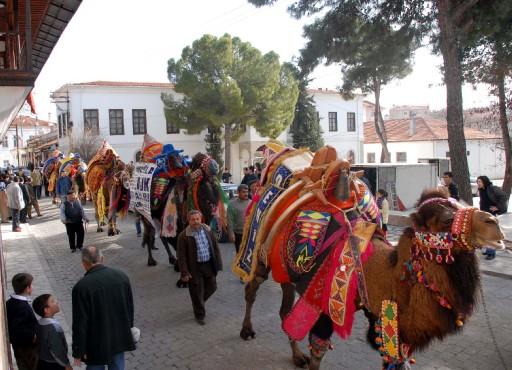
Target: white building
x=14, y=145
x=341, y=122
x=413, y=139
x=122, y=112
x=407, y=111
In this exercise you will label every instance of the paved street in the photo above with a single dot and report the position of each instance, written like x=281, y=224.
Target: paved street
x=172, y=340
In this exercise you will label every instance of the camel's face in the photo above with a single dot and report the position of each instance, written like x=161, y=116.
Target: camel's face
x=486, y=231
x=442, y=220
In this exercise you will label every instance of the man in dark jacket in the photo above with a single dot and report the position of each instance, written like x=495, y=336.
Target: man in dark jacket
x=102, y=304
x=22, y=322
x=26, y=199
x=73, y=216
x=450, y=185
x=199, y=260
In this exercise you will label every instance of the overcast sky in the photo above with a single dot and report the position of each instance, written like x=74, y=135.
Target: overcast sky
x=128, y=40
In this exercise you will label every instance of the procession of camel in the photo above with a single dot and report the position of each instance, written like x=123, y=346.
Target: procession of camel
x=316, y=228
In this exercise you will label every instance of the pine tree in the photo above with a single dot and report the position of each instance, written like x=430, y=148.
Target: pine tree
x=444, y=22
x=228, y=85
x=305, y=129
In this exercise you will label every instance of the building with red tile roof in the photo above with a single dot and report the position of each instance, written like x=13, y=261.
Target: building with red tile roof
x=415, y=138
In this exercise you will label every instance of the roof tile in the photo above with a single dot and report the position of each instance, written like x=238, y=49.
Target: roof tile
x=427, y=129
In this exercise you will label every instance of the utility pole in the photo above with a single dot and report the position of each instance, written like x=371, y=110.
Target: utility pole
x=17, y=144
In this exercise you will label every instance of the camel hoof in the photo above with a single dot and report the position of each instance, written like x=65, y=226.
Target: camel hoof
x=247, y=333
x=151, y=262
x=111, y=233
x=181, y=284
x=301, y=361
x=99, y=230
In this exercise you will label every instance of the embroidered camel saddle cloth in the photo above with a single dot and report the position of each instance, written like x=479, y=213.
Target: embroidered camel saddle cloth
x=292, y=178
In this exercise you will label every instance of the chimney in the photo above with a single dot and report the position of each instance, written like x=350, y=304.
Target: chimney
x=412, y=125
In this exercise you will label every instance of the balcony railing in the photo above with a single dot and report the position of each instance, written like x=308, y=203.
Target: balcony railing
x=16, y=43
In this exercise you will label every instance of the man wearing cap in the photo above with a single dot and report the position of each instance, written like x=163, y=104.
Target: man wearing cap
x=72, y=215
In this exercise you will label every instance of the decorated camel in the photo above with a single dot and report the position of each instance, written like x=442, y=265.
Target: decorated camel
x=51, y=172
x=317, y=228
x=167, y=196
x=176, y=189
x=74, y=167
x=106, y=180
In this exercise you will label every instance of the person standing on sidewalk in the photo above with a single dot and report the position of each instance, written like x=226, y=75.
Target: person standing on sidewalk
x=73, y=216
x=22, y=322
x=236, y=215
x=199, y=260
x=102, y=304
x=4, y=205
x=26, y=199
x=37, y=181
x=53, y=348
x=492, y=200
x=15, y=202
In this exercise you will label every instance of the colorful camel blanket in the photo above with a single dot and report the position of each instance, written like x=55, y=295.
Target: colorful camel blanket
x=97, y=166
x=277, y=178
x=323, y=255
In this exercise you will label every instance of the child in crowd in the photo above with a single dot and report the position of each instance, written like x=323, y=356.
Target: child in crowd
x=22, y=322
x=382, y=203
x=53, y=348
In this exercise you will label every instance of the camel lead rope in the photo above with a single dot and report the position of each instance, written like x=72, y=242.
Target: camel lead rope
x=491, y=330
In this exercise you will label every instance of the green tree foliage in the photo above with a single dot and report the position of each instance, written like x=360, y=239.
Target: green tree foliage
x=305, y=128
x=370, y=51
x=227, y=83
x=488, y=59
x=445, y=22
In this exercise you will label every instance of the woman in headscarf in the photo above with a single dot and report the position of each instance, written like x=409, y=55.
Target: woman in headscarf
x=492, y=200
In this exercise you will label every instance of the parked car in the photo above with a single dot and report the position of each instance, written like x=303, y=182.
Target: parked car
x=230, y=189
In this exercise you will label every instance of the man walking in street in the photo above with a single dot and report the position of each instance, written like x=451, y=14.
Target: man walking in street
x=102, y=304
x=15, y=202
x=33, y=199
x=236, y=215
x=37, y=181
x=73, y=216
x=199, y=260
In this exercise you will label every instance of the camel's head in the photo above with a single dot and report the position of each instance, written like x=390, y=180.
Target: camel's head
x=469, y=227
x=486, y=231
x=206, y=164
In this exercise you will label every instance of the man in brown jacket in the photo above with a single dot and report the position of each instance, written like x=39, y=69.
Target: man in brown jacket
x=199, y=260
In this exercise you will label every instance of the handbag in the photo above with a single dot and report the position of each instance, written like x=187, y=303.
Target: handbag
x=135, y=334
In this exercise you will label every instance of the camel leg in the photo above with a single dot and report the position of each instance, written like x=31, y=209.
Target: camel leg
x=298, y=357
x=320, y=340
x=99, y=229
x=251, y=288
x=172, y=258
x=148, y=239
x=112, y=226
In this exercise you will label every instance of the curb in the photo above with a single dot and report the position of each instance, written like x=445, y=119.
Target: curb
x=496, y=274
